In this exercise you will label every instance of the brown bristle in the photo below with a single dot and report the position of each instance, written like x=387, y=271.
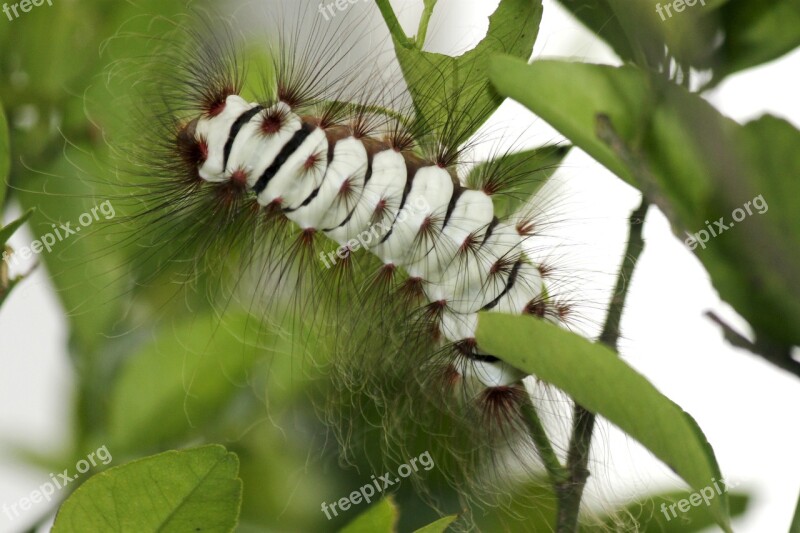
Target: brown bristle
x=399, y=140
x=433, y=313
x=526, y=227
x=272, y=123
x=347, y=188
x=466, y=347
x=491, y=186
x=502, y=265
x=239, y=178
x=439, y=304
x=536, y=307
x=471, y=243
x=360, y=127
x=545, y=270
x=274, y=213
x=411, y=292
x=450, y=377
x=192, y=150
x=229, y=193
x=290, y=96
x=386, y=273
x=380, y=209
x=215, y=103
x=311, y=162
x=307, y=236
x=501, y=405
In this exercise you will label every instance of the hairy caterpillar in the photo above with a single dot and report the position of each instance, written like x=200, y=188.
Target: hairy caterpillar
x=360, y=217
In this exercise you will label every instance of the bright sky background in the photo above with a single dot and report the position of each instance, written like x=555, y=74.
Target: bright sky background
x=739, y=401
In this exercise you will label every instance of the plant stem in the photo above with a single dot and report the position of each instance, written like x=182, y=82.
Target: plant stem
x=393, y=24
x=778, y=355
x=422, y=32
x=555, y=471
x=570, y=492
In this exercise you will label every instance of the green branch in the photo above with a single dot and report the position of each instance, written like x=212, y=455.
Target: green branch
x=395, y=29
x=555, y=471
x=422, y=32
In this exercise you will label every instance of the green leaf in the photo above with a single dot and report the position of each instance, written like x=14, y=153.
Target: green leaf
x=440, y=526
x=596, y=378
x=5, y=159
x=7, y=231
x=191, y=490
x=451, y=94
x=200, y=364
x=756, y=32
x=654, y=514
x=521, y=175
x=380, y=518
x=561, y=99
x=598, y=16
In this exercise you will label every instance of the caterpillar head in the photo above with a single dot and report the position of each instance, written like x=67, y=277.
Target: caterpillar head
x=238, y=142
x=205, y=142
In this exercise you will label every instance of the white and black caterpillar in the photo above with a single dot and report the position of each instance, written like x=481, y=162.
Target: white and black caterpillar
x=354, y=187
x=271, y=180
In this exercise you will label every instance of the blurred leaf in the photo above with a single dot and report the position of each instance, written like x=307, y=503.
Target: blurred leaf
x=649, y=514
x=199, y=364
x=724, y=35
x=5, y=160
x=708, y=167
x=638, y=33
x=444, y=87
x=86, y=267
x=598, y=17
x=596, y=378
x=440, y=526
x=520, y=174
x=695, y=165
x=7, y=231
x=7, y=284
x=380, y=518
x=795, y=525
x=190, y=490
x=755, y=33
x=532, y=510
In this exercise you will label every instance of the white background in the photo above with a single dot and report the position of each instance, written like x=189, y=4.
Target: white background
x=744, y=405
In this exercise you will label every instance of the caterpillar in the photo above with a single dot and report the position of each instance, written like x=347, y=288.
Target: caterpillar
x=338, y=204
